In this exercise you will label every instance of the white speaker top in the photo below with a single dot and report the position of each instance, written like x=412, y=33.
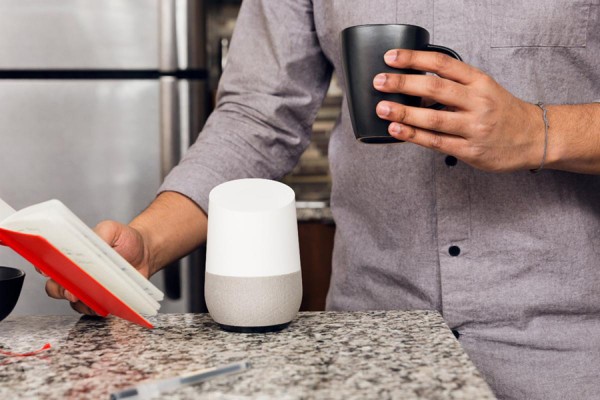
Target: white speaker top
x=251, y=195
x=252, y=229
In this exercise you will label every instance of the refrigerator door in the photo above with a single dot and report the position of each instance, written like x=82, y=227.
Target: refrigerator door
x=109, y=35
x=93, y=144
x=79, y=34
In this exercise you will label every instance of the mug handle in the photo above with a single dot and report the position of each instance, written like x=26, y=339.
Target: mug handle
x=447, y=51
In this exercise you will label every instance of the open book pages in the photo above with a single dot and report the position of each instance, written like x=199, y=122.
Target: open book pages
x=53, y=221
x=5, y=210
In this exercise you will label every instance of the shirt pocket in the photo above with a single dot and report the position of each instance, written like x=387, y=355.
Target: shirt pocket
x=549, y=23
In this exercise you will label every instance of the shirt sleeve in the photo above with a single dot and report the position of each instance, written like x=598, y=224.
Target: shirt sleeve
x=270, y=91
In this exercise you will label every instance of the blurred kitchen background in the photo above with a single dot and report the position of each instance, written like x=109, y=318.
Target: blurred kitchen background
x=99, y=99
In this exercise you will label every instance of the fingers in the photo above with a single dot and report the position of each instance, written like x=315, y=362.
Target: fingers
x=441, y=142
x=82, y=308
x=434, y=129
x=431, y=61
x=441, y=90
x=56, y=291
x=425, y=118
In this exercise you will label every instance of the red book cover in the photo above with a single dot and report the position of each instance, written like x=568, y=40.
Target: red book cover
x=48, y=259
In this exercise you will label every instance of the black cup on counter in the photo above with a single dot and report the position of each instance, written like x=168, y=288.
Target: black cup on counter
x=11, y=282
x=363, y=47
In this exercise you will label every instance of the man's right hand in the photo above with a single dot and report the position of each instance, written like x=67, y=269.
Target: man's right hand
x=127, y=241
x=171, y=227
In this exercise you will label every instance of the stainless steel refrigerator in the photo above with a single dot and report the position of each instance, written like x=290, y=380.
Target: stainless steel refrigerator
x=98, y=99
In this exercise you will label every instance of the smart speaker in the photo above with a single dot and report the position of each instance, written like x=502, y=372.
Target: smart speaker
x=253, y=280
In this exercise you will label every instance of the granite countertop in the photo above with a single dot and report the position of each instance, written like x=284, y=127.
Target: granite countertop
x=314, y=211
x=334, y=355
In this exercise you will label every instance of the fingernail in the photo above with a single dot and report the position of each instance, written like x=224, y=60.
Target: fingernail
x=383, y=110
x=70, y=297
x=391, y=55
x=380, y=80
x=395, y=128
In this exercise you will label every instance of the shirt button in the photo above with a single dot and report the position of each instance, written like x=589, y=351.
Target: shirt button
x=454, y=251
x=451, y=161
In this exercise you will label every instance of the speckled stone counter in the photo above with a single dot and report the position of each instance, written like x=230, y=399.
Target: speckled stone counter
x=311, y=211
x=314, y=213
x=378, y=355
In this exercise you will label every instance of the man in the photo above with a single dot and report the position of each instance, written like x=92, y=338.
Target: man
x=511, y=259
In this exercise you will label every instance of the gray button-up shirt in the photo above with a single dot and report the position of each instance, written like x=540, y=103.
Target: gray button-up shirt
x=524, y=292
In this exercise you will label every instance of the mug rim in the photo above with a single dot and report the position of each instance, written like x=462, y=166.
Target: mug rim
x=19, y=273
x=382, y=25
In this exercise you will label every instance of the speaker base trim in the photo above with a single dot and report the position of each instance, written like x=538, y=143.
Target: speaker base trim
x=254, y=329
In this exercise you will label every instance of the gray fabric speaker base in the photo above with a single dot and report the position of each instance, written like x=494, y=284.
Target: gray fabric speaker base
x=255, y=302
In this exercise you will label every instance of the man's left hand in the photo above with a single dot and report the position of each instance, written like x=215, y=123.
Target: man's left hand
x=483, y=125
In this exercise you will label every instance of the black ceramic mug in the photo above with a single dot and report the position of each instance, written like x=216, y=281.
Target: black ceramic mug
x=11, y=282
x=363, y=47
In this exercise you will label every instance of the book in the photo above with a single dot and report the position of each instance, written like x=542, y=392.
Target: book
x=52, y=238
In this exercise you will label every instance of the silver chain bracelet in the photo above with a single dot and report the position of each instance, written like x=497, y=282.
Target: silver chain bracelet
x=542, y=106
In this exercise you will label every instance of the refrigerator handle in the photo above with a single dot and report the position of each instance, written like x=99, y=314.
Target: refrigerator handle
x=170, y=154
x=182, y=35
x=168, y=51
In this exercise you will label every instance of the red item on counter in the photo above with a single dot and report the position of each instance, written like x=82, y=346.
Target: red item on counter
x=45, y=347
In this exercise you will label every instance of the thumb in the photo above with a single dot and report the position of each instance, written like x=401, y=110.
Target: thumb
x=125, y=240
x=109, y=231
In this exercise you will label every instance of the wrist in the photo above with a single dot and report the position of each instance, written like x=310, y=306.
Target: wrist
x=573, y=140
x=555, y=144
x=149, y=252
x=171, y=227
x=543, y=132
x=535, y=156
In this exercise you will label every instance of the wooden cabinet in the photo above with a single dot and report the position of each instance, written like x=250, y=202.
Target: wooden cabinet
x=316, y=247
